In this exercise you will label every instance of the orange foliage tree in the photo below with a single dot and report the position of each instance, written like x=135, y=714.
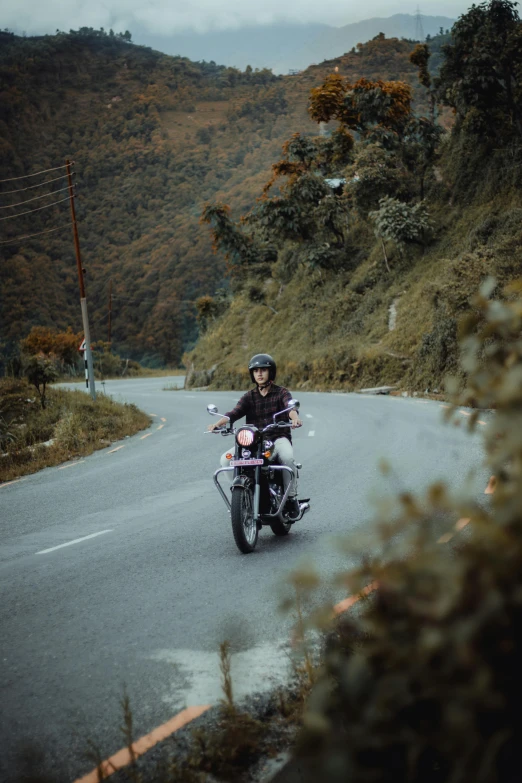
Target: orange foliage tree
x=42, y=340
x=362, y=105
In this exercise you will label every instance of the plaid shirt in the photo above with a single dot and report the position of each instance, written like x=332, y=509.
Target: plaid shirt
x=259, y=410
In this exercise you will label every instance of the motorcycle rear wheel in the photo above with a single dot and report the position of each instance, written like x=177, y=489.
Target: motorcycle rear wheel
x=244, y=527
x=280, y=528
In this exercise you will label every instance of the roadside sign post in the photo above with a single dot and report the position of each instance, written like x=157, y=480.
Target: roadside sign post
x=83, y=352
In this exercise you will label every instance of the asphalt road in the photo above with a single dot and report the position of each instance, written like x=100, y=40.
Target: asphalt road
x=151, y=581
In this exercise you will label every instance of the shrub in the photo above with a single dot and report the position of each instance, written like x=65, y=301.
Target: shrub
x=431, y=692
x=40, y=371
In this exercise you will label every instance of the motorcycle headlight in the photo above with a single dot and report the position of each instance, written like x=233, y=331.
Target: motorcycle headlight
x=246, y=436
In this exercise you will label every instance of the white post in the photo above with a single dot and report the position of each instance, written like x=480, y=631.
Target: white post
x=89, y=368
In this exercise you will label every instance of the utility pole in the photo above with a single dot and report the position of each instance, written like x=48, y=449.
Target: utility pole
x=419, y=29
x=110, y=312
x=89, y=376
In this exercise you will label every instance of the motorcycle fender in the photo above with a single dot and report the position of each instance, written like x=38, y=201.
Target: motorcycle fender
x=240, y=482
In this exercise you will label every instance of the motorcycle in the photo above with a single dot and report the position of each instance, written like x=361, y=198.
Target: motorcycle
x=258, y=493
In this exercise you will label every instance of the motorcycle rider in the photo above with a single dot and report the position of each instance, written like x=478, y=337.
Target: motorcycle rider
x=259, y=405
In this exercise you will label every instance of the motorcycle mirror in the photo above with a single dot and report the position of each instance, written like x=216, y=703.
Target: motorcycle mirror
x=294, y=404
x=212, y=409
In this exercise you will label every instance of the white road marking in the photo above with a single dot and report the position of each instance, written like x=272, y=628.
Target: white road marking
x=116, y=449
x=311, y=433
x=160, y=427
x=189, y=396
x=71, y=465
x=309, y=416
x=70, y=543
x=162, y=419
x=8, y=483
x=153, y=414
x=146, y=436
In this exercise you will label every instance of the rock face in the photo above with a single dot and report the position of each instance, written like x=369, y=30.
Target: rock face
x=197, y=378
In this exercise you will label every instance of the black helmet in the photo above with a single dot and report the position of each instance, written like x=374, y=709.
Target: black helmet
x=262, y=361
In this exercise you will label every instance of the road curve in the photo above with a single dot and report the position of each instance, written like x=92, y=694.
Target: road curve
x=120, y=570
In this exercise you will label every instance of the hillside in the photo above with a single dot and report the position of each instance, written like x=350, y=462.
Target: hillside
x=153, y=138
x=366, y=286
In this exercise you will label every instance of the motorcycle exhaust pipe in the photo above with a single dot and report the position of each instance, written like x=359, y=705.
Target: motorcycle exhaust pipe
x=303, y=508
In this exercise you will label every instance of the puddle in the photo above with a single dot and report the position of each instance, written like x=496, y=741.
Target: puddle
x=196, y=676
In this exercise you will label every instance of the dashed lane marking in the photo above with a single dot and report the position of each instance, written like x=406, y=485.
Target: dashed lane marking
x=445, y=538
x=309, y=416
x=70, y=543
x=465, y=413
x=153, y=414
x=163, y=420
x=71, y=465
x=141, y=746
x=311, y=433
x=482, y=422
x=146, y=436
x=160, y=427
x=116, y=449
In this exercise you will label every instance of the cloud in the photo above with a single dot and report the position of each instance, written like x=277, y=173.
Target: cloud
x=174, y=16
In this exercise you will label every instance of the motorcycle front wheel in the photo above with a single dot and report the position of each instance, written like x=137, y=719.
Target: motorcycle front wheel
x=244, y=526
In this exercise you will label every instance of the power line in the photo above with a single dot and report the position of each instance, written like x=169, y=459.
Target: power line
x=36, y=174
x=35, y=198
x=32, y=187
x=138, y=299
x=27, y=211
x=28, y=236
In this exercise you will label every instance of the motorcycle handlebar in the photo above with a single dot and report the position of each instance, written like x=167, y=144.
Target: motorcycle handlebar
x=229, y=431
x=278, y=425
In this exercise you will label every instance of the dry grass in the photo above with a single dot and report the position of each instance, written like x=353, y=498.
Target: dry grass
x=71, y=425
x=331, y=330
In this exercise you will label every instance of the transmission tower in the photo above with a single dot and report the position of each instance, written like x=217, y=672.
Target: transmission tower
x=419, y=29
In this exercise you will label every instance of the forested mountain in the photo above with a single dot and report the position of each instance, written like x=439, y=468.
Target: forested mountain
x=153, y=138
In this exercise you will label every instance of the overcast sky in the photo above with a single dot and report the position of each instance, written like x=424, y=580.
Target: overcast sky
x=169, y=16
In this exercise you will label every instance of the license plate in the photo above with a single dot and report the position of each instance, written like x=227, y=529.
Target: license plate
x=240, y=463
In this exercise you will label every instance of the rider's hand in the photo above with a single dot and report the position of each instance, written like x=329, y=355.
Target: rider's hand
x=212, y=427
x=296, y=423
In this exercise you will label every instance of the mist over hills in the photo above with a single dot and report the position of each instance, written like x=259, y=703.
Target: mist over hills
x=285, y=47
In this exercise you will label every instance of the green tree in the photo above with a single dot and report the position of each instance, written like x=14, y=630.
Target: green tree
x=374, y=174
x=419, y=149
x=482, y=70
x=420, y=57
x=241, y=251
x=401, y=223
